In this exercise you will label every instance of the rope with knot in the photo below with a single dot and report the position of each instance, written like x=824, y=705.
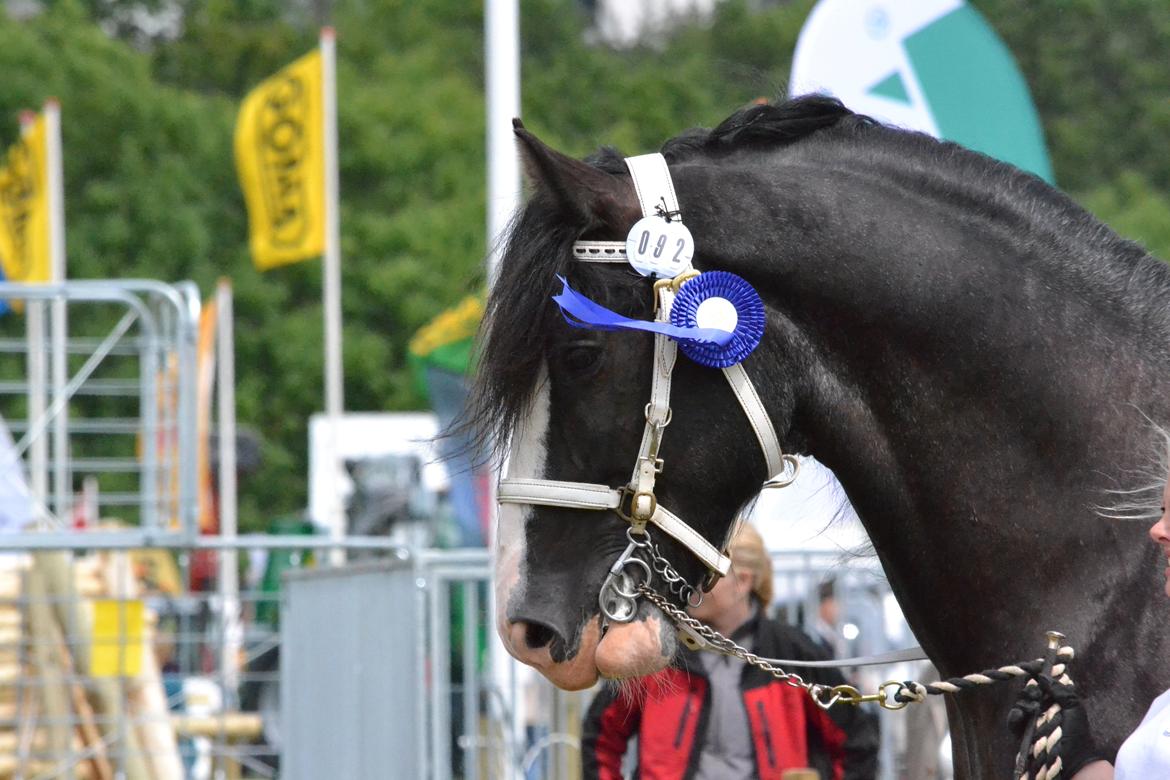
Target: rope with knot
x=1039, y=757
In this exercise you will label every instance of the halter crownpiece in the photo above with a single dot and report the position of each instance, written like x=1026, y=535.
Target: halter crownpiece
x=717, y=317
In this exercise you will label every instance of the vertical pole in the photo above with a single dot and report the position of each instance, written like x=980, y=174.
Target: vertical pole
x=38, y=450
x=440, y=608
x=229, y=576
x=473, y=748
x=422, y=643
x=62, y=478
x=502, y=41
x=334, y=398
x=502, y=56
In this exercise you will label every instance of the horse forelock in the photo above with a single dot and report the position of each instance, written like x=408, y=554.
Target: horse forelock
x=516, y=319
x=520, y=317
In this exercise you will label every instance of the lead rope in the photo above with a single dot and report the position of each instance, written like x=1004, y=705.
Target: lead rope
x=1042, y=759
x=1039, y=757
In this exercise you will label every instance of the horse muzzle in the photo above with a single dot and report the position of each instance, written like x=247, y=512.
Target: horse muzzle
x=621, y=651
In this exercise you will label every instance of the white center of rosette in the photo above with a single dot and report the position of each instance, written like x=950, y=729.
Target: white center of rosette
x=717, y=313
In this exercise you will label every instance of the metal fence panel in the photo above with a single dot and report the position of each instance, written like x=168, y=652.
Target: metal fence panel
x=350, y=673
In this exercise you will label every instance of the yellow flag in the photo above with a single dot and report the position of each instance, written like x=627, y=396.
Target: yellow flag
x=280, y=158
x=24, y=208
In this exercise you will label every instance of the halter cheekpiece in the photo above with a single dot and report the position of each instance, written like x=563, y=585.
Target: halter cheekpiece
x=717, y=319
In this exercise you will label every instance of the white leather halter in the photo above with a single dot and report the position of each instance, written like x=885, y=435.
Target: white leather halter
x=636, y=502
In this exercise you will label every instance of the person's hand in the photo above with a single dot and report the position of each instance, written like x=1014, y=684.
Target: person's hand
x=1076, y=747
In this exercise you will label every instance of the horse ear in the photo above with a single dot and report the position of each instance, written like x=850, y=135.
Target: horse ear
x=600, y=198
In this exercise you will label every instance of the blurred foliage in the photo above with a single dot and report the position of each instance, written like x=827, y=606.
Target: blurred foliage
x=149, y=91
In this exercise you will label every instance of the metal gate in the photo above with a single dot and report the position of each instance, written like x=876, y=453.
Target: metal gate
x=103, y=390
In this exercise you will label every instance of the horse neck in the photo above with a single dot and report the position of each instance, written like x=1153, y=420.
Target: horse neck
x=973, y=369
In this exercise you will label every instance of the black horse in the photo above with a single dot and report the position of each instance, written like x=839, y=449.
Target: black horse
x=977, y=359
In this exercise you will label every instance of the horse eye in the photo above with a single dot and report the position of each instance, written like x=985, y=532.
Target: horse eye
x=580, y=358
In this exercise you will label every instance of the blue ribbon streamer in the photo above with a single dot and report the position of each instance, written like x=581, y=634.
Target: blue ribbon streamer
x=580, y=312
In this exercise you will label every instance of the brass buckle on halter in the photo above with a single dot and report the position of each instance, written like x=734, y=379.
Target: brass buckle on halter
x=672, y=284
x=627, y=508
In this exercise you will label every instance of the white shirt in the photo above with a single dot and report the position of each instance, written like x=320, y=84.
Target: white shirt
x=1146, y=753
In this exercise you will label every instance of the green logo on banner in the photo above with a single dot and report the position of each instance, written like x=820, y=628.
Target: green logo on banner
x=892, y=87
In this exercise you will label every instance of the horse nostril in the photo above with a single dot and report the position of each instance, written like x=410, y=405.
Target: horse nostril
x=537, y=636
x=530, y=634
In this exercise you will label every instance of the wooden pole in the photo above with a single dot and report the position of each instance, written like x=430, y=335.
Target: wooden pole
x=87, y=730
x=54, y=695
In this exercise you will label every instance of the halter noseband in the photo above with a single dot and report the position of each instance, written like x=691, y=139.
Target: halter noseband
x=636, y=502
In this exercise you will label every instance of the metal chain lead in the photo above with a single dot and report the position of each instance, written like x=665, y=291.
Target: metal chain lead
x=891, y=695
x=824, y=695
x=675, y=582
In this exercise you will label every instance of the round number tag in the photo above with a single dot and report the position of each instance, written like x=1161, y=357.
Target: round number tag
x=656, y=247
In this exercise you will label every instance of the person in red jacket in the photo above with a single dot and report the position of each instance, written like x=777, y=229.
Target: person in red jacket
x=710, y=716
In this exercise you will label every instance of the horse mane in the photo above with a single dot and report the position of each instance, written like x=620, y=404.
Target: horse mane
x=761, y=125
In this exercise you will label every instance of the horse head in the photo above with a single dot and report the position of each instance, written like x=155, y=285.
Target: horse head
x=572, y=403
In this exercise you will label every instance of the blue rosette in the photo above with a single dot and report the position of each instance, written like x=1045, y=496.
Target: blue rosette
x=719, y=299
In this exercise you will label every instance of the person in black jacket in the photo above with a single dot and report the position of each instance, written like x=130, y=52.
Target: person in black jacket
x=712, y=716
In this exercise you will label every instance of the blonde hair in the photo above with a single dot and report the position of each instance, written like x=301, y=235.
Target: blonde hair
x=748, y=553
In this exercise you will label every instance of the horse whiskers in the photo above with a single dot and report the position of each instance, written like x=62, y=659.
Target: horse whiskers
x=1143, y=502
x=637, y=690
x=1136, y=516
x=633, y=691
x=1139, y=503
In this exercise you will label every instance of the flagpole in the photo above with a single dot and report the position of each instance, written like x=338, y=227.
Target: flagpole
x=334, y=389
x=502, y=41
x=62, y=481
x=38, y=450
